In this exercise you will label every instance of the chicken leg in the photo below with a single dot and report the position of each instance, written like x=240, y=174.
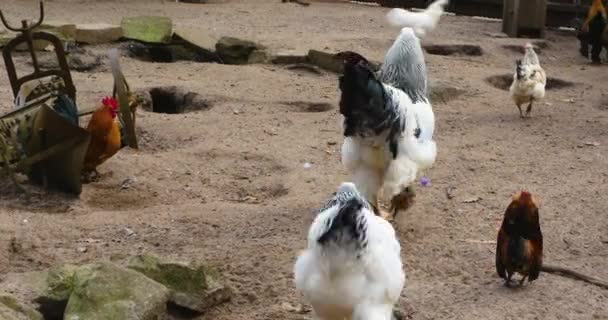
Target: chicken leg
x=402, y=201
x=528, y=109
x=521, y=282
x=368, y=181
x=521, y=114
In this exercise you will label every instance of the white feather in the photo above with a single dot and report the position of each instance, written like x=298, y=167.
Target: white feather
x=422, y=22
x=340, y=283
x=531, y=86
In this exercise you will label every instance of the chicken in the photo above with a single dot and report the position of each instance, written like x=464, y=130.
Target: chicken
x=388, y=121
x=529, y=81
x=105, y=135
x=519, y=247
x=592, y=31
x=422, y=22
x=352, y=267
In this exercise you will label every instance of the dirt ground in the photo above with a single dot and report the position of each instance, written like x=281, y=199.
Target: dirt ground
x=228, y=185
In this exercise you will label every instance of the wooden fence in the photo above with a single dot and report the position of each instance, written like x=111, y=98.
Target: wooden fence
x=560, y=13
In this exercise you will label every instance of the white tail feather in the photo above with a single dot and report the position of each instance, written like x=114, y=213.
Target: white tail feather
x=423, y=153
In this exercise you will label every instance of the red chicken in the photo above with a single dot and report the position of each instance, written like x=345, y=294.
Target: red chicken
x=519, y=247
x=105, y=135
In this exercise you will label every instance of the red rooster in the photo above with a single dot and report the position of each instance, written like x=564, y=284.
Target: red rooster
x=519, y=247
x=105, y=135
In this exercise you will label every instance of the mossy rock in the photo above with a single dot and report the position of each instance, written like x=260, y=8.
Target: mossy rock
x=11, y=309
x=60, y=282
x=107, y=291
x=238, y=51
x=192, y=286
x=151, y=29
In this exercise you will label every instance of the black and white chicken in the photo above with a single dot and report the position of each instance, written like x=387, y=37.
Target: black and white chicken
x=388, y=121
x=352, y=267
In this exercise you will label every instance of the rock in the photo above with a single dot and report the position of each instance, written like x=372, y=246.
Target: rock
x=11, y=309
x=66, y=30
x=237, y=51
x=65, y=33
x=289, y=57
x=198, y=38
x=258, y=56
x=97, y=33
x=108, y=291
x=59, y=283
x=151, y=29
x=192, y=286
x=85, y=61
x=47, y=291
x=442, y=92
x=325, y=60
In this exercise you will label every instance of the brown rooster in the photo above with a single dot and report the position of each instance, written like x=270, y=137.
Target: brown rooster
x=105, y=135
x=519, y=247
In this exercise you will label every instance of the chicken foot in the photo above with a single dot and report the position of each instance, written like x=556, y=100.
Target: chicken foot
x=528, y=109
x=402, y=201
x=521, y=114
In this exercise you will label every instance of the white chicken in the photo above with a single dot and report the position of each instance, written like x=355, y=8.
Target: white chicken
x=422, y=22
x=529, y=81
x=352, y=267
x=388, y=122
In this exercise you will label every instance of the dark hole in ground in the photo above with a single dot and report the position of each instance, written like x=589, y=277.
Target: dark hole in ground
x=303, y=106
x=504, y=81
x=176, y=51
x=51, y=309
x=179, y=312
x=174, y=100
x=454, y=49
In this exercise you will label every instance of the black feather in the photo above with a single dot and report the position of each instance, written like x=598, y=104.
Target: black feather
x=347, y=225
x=366, y=105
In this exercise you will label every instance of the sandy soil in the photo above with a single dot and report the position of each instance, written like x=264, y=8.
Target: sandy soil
x=228, y=185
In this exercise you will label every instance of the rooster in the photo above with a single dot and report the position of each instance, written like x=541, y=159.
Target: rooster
x=519, y=247
x=422, y=22
x=593, y=30
x=105, y=135
x=529, y=81
x=352, y=267
x=388, y=122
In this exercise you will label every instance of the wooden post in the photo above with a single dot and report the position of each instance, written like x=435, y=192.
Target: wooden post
x=510, y=17
x=524, y=17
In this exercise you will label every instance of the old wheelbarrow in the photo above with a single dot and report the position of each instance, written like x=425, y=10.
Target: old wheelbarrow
x=36, y=138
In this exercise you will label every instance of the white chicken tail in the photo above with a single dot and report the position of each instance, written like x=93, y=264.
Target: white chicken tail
x=423, y=153
x=421, y=22
x=530, y=57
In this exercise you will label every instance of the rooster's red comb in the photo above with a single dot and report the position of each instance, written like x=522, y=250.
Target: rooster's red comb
x=111, y=102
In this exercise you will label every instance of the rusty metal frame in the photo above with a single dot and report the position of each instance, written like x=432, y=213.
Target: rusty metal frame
x=28, y=37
